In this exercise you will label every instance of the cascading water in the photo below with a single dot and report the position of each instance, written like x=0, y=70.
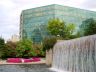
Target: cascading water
x=76, y=55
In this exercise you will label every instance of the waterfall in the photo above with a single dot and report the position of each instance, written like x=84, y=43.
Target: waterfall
x=76, y=55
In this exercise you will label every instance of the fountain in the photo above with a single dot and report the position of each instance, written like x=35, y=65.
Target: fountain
x=76, y=55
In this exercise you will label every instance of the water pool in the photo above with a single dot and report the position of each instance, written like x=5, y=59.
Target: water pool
x=25, y=68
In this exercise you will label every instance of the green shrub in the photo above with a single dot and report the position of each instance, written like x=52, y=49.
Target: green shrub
x=57, y=27
x=49, y=42
x=2, y=43
x=88, y=27
x=2, y=47
x=38, y=48
x=9, y=50
x=24, y=48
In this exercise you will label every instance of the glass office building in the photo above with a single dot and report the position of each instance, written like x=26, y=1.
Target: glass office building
x=33, y=21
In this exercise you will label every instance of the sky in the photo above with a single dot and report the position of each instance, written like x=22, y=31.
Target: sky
x=10, y=11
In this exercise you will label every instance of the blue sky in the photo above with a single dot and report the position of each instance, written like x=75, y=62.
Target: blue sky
x=10, y=12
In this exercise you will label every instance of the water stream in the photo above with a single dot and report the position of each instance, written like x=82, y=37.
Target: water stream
x=76, y=55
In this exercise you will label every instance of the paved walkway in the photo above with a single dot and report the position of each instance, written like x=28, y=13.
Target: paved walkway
x=25, y=68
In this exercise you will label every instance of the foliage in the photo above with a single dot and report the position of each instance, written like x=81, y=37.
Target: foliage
x=70, y=28
x=57, y=28
x=48, y=43
x=77, y=34
x=38, y=48
x=2, y=43
x=88, y=27
x=9, y=50
x=2, y=46
x=24, y=48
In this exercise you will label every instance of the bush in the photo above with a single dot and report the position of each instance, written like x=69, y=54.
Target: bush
x=49, y=42
x=24, y=48
x=9, y=50
x=38, y=48
x=2, y=47
x=58, y=27
x=2, y=43
x=88, y=27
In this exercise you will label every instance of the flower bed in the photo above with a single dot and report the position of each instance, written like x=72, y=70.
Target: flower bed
x=23, y=60
x=14, y=60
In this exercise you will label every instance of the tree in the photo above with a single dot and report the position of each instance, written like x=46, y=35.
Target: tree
x=71, y=28
x=56, y=27
x=2, y=43
x=88, y=27
x=49, y=42
x=2, y=47
x=9, y=50
x=24, y=48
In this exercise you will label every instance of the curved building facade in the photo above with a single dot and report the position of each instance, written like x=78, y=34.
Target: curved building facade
x=33, y=21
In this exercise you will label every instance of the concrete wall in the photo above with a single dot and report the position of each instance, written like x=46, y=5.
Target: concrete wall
x=49, y=56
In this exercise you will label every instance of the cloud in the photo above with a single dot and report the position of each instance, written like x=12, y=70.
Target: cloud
x=6, y=3
x=90, y=3
x=75, y=3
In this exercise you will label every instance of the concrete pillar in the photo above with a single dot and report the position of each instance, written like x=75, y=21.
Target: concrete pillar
x=49, y=56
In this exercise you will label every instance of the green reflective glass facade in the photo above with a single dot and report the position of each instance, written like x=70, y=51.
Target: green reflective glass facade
x=33, y=21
